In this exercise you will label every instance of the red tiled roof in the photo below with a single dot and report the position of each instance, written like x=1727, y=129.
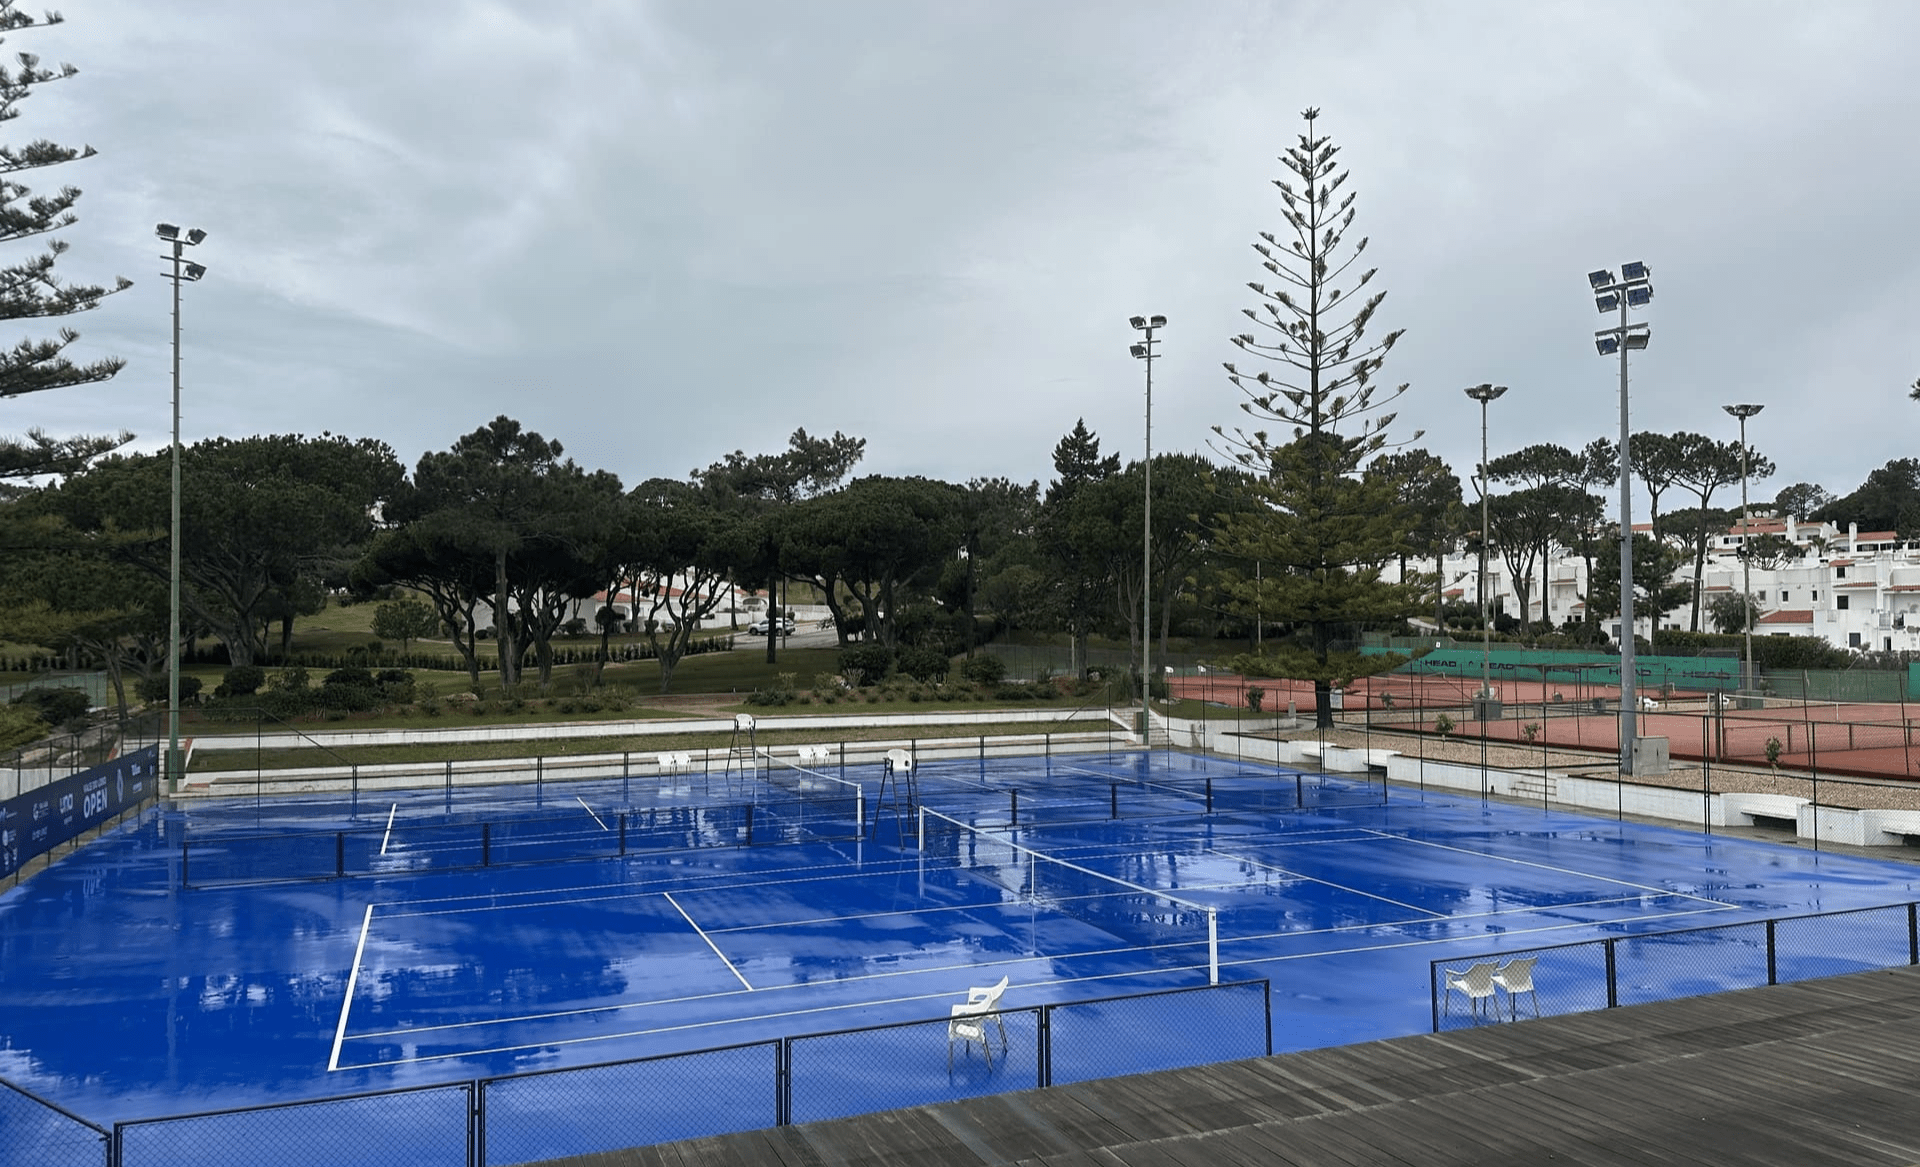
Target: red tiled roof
x=1839, y=563
x=1865, y=583
x=1788, y=616
x=1880, y=536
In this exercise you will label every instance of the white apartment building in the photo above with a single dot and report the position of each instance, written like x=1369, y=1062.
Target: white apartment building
x=1852, y=588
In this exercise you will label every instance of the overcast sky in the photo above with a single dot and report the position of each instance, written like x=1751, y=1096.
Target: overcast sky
x=660, y=232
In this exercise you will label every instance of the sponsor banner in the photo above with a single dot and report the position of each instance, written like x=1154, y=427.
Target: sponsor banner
x=36, y=822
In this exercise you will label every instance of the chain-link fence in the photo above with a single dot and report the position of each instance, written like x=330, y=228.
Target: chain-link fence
x=423, y=1126
x=532, y=1117
x=1661, y=966
x=527, y=1118
x=40, y=763
x=36, y=1133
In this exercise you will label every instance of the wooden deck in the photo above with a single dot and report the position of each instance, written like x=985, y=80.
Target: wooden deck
x=1816, y=1073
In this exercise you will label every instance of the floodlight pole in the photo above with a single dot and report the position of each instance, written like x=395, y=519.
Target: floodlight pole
x=1629, y=673
x=1743, y=412
x=182, y=270
x=1484, y=394
x=1144, y=352
x=1634, y=288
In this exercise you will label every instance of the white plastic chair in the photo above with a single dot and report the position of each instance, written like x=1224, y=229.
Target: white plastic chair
x=900, y=762
x=1516, y=977
x=666, y=763
x=1475, y=982
x=968, y=1023
x=684, y=760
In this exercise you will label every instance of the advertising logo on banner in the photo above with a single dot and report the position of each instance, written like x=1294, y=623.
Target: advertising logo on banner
x=34, y=823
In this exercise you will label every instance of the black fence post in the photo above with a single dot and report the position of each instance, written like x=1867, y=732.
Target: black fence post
x=1913, y=934
x=1210, y=797
x=623, y=832
x=486, y=844
x=1046, y=1045
x=783, y=1082
x=1772, y=974
x=1113, y=800
x=339, y=854
x=1266, y=998
x=476, y=1124
x=1613, y=983
x=1013, y=806
x=1433, y=993
x=749, y=810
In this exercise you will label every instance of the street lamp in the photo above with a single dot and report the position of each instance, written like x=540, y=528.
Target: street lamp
x=187, y=272
x=1143, y=350
x=1483, y=707
x=1743, y=412
x=1634, y=289
x=1484, y=394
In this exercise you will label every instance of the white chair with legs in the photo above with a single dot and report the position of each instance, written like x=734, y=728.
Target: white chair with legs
x=1514, y=978
x=968, y=1023
x=1476, y=983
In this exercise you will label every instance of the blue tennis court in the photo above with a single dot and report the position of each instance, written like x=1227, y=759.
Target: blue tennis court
x=240, y=951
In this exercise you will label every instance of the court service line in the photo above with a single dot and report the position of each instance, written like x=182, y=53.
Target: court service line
x=389, y=834
x=1327, y=883
x=353, y=979
x=668, y=896
x=1664, y=891
x=596, y=818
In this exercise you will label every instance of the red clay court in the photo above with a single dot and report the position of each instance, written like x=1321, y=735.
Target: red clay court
x=1864, y=739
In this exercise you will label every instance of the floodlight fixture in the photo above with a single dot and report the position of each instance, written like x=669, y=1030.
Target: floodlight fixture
x=1138, y=350
x=1156, y=321
x=1607, y=302
x=195, y=235
x=1637, y=340
x=1743, y=411
x=1607, y=345
x=193, y=271
x=167, y=231
x=1639, y=296
x=1486, y=393
x=1137, y=321
x=1634, y=272
x=1599, y=279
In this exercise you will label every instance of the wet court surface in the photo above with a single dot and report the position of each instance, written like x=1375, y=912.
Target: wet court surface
x=128, y=996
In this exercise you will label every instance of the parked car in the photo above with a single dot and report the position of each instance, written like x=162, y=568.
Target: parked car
x=759, y=627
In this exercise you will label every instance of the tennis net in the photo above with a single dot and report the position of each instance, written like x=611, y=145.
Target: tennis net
x=1149, y=918
x=806, y=805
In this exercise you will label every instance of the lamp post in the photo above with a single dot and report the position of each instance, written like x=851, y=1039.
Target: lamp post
x=1484, y=394
x=1743, y=412
x=1143, y=350
x=1484, y=705
x=187, y=272
x=1634, y=289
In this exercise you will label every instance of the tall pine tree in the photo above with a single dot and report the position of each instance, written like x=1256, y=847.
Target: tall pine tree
x=1326, y=530
x=29, y=288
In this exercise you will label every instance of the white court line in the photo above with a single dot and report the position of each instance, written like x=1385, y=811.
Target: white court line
x=596, y=818
x=668, y=896
x=716, y=1022
x=1665, y=891
x=1328, y=883
x=346, y=1002
x=893, y=974
x=389, y=834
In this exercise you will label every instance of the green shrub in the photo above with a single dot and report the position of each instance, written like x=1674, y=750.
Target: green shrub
x=243, y=680
x=927, y=665
x=56, y=706
x=866, y=664
x=983, y=670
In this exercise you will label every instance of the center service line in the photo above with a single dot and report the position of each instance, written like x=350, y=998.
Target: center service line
x=668, y=896
x=596, y=818
x=346, y=1003
x=389, y=834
